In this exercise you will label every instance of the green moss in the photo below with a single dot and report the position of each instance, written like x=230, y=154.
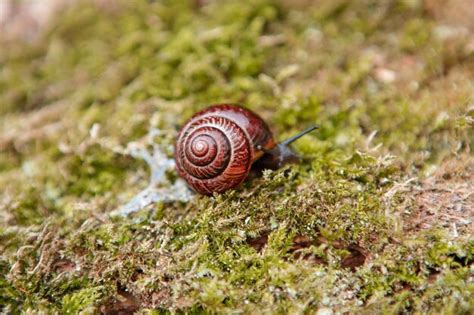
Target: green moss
x=81, y=301
x=329, y=232
x=416, y=34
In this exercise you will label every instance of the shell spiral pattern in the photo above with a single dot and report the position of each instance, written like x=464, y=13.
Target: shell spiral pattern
x=213, y=153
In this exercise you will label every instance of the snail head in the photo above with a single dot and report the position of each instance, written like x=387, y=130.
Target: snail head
x=282, y=153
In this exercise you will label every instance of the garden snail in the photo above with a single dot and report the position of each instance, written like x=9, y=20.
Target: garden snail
x=215, y=149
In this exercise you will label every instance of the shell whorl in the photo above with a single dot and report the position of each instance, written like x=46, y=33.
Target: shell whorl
x=213, y=154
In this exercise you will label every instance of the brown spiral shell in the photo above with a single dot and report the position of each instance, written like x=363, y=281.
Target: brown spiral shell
x=217, y=146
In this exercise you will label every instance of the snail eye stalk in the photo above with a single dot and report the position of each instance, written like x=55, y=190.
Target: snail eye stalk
x=299, y=135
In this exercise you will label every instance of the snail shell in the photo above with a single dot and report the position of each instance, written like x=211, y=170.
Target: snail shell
x=217, y=146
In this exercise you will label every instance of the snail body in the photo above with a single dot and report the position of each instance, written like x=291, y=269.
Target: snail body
x=217, y=146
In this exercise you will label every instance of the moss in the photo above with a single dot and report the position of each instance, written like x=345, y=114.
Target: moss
x=81, y=301
x=331, y=232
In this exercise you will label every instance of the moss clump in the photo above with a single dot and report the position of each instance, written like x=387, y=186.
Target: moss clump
x=350, y=229
x=80, y=301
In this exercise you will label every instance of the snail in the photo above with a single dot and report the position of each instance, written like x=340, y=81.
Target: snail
x=216, y=148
